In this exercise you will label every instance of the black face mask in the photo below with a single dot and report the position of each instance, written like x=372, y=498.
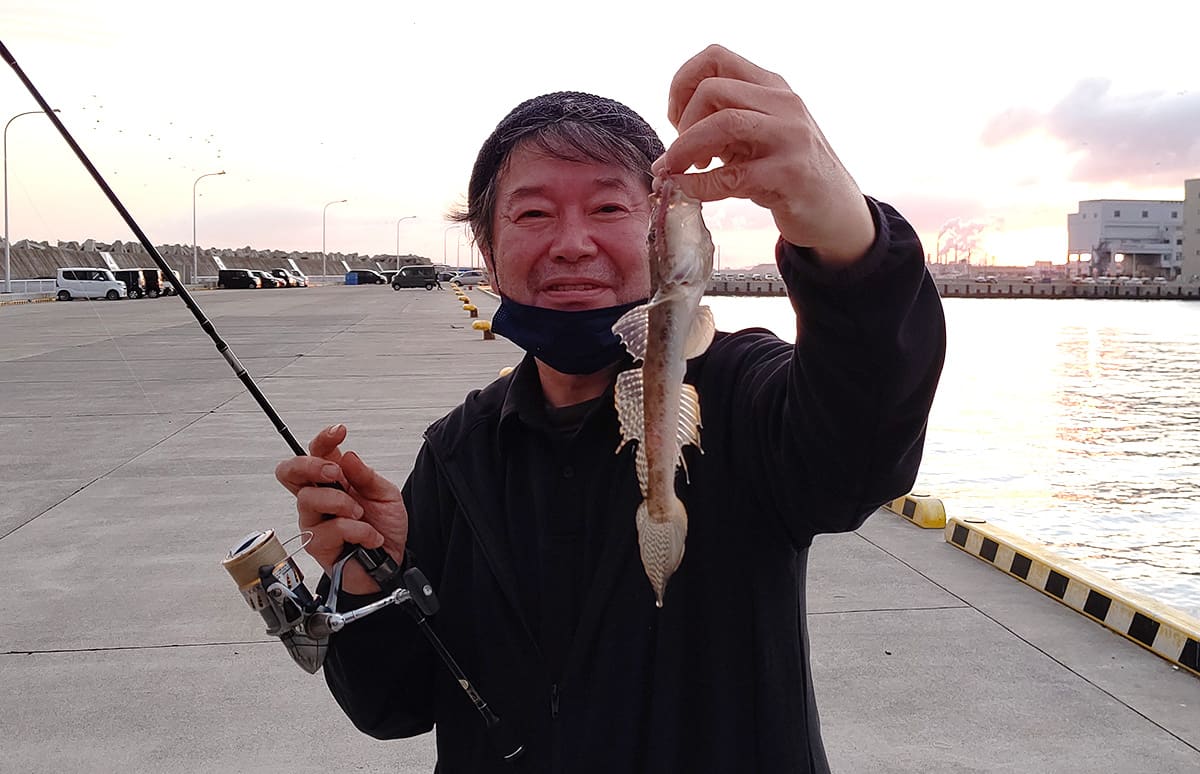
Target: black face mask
x=578, y=342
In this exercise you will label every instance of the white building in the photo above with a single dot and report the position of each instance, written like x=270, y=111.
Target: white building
x=1190, y=242
x=1132, y=237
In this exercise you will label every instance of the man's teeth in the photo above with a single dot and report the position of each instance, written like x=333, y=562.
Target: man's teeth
x=573, y=287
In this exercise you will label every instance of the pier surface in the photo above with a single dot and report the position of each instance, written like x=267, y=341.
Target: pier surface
x=132, y=460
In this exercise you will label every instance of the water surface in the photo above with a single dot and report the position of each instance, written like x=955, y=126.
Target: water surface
x=1070, y=422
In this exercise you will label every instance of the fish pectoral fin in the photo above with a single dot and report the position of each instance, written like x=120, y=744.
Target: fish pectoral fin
x=632, y=417
x=700, y=335
x=632, y=329
x=688, y=430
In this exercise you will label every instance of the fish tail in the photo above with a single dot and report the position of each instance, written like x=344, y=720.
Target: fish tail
x=662, y=543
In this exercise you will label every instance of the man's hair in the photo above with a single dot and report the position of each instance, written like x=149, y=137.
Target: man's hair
x=567, y=125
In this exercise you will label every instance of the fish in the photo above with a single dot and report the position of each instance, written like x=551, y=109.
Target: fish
x=655, y=408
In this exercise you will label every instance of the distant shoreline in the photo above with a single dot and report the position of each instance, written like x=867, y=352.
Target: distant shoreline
x=949, y=288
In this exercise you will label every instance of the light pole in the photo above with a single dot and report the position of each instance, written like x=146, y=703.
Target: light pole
x=406, y=217
x=195, y=261
x=323, y=273
x=458, y=248
x=7, y=267
x=445, y=234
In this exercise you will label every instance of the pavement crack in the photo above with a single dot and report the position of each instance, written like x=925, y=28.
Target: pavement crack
x=111, y=648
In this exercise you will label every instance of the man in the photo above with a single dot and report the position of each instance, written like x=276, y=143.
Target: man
x=522, y=515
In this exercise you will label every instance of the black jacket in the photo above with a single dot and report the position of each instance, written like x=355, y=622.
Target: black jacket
x=797, y=441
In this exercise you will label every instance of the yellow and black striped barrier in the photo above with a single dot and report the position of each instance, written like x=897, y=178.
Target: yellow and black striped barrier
x=924, y=511
x=13, y=302
x=1164, y=630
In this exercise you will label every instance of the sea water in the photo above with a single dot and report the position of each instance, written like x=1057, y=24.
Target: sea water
x=1074, y=423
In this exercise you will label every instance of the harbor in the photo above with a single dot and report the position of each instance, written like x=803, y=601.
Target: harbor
x=134, y=461
x=970, y=288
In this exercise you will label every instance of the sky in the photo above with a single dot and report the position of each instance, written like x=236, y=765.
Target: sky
x=984, y=124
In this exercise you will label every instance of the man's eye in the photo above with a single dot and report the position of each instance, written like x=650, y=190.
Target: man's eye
x=609, y=209
x=531, y=214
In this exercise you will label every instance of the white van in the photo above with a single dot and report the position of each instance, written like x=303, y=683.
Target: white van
x=84, y=282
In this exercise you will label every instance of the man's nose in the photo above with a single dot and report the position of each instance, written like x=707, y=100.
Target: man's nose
x=573, y=238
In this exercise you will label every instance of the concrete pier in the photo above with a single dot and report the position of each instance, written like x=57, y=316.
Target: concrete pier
x=131, y=460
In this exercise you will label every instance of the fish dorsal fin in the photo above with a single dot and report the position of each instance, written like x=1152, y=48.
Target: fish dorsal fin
x=701, y=333
x=632, y=330
x=632, y=417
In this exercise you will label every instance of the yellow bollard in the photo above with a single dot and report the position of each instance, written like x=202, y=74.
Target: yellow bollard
x=486, y=327
x=471, y=308
x=506, y=370
x=924, y=511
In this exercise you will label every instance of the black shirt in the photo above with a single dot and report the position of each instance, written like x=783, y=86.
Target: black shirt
x=554, y=459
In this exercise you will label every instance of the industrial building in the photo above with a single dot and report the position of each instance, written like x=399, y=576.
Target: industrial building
x=1136, y=237
x=1190, y=243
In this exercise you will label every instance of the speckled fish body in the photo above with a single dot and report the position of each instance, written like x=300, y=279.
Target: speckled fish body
x=655, y=407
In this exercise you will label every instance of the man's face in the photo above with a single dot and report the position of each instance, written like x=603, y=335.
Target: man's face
x=569, y=235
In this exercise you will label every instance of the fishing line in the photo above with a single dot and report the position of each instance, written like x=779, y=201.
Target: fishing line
x=378, y=563
x=291, y=607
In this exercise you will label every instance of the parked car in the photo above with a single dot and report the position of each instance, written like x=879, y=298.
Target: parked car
x=415, y=277
x=266, y=280
x=468, y=278
x=135, y=283
x=154, y=282
x=283, y=274
x=364, y=277
x=86, y=282
x=168, y=285
x=237, y=278
x=299, y=276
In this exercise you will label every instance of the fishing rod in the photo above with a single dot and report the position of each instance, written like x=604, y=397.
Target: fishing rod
x=268, y=578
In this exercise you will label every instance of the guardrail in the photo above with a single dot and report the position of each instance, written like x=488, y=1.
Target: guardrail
x=30, y=286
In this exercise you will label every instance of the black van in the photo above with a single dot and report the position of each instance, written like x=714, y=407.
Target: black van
x=237, y=278
x=154, y=282
x=364, y=277
x=415, y=277
x=135, y=283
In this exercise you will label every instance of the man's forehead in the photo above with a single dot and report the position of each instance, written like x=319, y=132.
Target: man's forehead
x=601, y=182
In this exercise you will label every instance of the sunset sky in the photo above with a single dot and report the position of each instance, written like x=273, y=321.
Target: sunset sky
x=990, y=121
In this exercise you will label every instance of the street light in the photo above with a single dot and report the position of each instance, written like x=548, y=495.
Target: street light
x=195, y=271
x=445, y=234
x=458, y=248
x=323, y=272
x=406, y=217
x=7, y=267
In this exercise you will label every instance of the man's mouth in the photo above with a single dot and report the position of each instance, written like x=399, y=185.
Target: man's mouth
x=567, y=287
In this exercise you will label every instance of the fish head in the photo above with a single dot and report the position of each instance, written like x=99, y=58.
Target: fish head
x=680, y=245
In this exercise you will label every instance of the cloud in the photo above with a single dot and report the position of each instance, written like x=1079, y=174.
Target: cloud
x=1143, y=139
x=928, y=213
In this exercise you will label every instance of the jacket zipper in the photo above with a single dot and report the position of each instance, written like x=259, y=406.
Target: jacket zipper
x=554, y=700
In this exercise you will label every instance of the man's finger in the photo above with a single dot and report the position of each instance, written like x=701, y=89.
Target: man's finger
x=316, y=504
x=714, y=61
x=299, y=472
x=366, y=481
x=328, y=537
x=716, y=94
x=728, y=135
x=326, y=442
